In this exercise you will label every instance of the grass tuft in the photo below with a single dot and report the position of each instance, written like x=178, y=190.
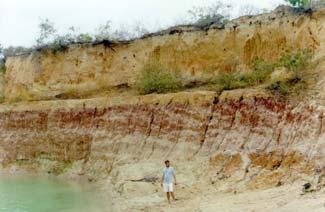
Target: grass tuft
x=228, y=81
x=155, y=78
x=2, y=69
x=295, y=61
x=289, y=87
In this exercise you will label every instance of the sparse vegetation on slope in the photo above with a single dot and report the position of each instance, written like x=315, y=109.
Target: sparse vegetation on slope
x=284, y=88
x=228, y=81
x=154, y=77
x=294, y=63
x=260, y=72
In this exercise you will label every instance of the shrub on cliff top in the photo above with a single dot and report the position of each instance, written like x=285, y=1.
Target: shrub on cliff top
x=298, y=3
x=154, y=77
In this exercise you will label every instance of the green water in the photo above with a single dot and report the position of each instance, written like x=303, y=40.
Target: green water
x=36, y=194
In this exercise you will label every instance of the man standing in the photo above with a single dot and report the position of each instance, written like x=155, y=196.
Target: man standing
x=167, y=180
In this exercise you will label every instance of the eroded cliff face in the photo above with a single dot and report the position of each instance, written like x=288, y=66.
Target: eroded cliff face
x=255, y=142
x=83, y=70
x=238, y=139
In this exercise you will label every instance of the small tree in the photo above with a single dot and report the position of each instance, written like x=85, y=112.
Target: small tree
x=71, y=35
x=139, y=30
x=47, y=32
x=84, y=38
x=74, y=36
x=121, y=34
x=298, y=3
x=249, y=9
x=103, y=31
x=216, y=13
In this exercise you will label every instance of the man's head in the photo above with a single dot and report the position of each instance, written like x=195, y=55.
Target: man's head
x=167, y=163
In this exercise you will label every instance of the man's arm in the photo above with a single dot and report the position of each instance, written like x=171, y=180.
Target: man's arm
x=174, y=178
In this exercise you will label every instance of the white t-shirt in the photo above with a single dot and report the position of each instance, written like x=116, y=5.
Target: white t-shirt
x=168, y=174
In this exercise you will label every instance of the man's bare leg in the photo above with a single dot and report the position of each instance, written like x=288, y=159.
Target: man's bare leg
x=168, y=197
x=172, y=194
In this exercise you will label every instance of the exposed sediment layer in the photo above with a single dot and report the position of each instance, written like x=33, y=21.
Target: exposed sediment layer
x=84, y=70
x=258, y=141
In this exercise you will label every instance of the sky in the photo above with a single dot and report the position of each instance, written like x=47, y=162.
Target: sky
x=19, y=19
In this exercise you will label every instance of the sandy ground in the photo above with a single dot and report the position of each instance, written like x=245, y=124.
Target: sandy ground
x=281, y=199
x=145, y=196
x=287, y=198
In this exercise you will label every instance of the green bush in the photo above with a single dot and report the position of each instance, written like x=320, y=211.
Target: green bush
x=284, y=88
x=259, y=64
x=154, y=77
x=260, y=73
x=255, y=77
x=234, y=80
x=279, y=87
x=228, y=81
x=295, y=61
